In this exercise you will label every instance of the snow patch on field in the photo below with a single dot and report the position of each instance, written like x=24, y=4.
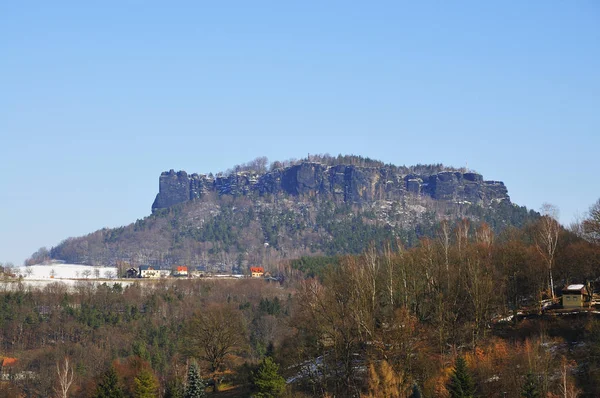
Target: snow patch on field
x=65, y=271
x=72, y=275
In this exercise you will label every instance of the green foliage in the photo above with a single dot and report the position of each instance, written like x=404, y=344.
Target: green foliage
x=13, y=305
x=304, y=225
x=146, y=385
x=219, y=228
x=138, y=348
x=109, y=386
x=152, y=327
x=271, y=307
x=113, y=235
x=530, y=388
x=313, y=266
x=461, y=384
x=501, y=215
x=415, y=393
x=351, y=230
x=194, y=387
x=267, y=381
x=174, y=389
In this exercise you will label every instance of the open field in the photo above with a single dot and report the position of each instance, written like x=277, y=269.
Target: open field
x=65, y=271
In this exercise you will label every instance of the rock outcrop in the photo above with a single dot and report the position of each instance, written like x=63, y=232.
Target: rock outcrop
x=340, y=183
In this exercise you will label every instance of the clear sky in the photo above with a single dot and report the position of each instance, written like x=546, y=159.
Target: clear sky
x=97, y=98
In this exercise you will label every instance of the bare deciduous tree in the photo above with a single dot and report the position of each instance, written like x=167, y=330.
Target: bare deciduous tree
x=65, y=377
x=479, y=285
x=215, y=333
x=568, y=390
x=591, y=224
x=371, y=262
x=109, y=274
x=444, y=237
x=547, y=238
x=389, y=274
x=484, y=235
x=462, y=234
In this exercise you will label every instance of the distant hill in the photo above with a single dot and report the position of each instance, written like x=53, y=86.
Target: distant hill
x=317, y=206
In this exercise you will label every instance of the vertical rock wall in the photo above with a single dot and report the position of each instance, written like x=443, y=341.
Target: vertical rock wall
x=341, y=183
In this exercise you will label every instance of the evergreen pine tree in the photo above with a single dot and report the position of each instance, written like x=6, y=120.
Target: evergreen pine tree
x=174, y=389
x=461, y=384
x=194, y=387
x=530, y=388
x=270, y=349
x=109, y=386
x=267, y=381
x=146, y=385
x=416, y=393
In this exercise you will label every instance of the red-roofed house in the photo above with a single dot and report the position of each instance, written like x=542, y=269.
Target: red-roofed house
x=7, y=362
x=7, y=368
x=257, y=272
x=181, y=270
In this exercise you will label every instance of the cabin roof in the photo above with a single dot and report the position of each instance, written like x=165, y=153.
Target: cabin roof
x=575, y=288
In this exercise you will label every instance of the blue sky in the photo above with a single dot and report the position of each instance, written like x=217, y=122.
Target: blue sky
x=97, y=99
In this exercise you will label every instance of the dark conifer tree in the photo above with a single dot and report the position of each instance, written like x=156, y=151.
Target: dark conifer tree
x=530, y=388
x=109, y=386
x=146, y=385
x=461, y=384
x=416, y=393
x=267, y=381
x=174, y=389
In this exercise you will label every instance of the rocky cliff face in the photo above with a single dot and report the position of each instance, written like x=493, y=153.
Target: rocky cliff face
x=340, y=183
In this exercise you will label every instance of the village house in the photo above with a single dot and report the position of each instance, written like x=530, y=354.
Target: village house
x=180, y=270
x=198, y=272
x=257, y=272
x=574, y=296
x=164, y=273
x=10, y=372
x=7, y=368
x=148, y=271
x=132, y=273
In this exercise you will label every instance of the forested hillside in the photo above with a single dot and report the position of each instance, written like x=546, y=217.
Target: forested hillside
x=295, y=210
x=467, y=306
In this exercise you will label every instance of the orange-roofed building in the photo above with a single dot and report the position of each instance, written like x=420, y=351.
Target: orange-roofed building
x=9, y=362
x=257, y=272
x=181, y=270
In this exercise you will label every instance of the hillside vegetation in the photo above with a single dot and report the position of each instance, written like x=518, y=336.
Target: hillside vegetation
x=462, y=307
x=225, y=231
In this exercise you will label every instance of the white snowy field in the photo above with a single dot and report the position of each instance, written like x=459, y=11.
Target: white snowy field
x=65, y=271
x=40, y=276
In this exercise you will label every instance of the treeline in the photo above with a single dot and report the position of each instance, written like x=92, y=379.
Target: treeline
x=149, y=332
x=362, y=161
x=406, y=315
x=261, y=165
x=223, y=232
x=390, y=322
